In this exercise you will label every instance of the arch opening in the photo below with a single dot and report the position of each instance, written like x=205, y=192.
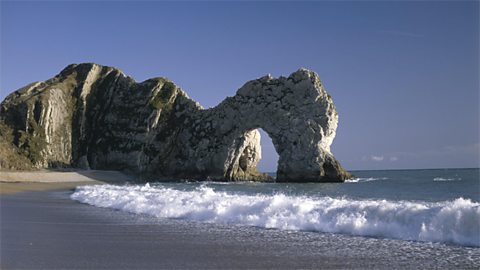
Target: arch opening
x=268, y=163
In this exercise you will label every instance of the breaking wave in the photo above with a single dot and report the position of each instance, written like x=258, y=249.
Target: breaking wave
x=455, y=221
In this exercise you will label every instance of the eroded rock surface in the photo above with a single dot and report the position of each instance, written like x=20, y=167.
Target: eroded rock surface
x=95, y=117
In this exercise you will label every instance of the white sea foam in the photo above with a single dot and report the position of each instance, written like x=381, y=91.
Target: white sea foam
x=357, y=180
x=455, y=221
x=440, y=179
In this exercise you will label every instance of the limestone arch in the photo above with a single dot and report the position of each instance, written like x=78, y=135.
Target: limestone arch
x=298, y=115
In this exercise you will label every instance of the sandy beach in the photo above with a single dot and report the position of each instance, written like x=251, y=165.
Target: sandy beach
x=16, y=181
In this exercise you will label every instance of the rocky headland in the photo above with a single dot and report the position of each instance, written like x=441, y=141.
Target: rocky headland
x=95, y=117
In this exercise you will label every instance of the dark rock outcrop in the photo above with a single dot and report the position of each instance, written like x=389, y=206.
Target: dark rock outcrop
x=92, y=116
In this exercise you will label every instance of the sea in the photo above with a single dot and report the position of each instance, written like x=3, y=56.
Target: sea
x=406, y=211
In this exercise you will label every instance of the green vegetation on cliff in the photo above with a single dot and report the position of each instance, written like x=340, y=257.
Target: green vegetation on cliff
x=11, y=158
x=163, y=99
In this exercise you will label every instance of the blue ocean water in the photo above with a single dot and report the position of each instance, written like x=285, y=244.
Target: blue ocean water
x=439, y=206
x=430, y=185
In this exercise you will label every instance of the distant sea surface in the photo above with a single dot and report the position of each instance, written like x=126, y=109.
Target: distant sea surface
x=420, y=208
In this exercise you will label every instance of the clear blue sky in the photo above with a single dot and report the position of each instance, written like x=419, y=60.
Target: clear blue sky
x=404, y=75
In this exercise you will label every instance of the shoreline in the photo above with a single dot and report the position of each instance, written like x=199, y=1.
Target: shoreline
x=43, y=180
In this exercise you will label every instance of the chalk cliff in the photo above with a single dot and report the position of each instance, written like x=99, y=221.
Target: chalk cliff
x=95, y=117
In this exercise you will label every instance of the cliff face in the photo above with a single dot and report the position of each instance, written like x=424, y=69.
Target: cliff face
x=92, y=116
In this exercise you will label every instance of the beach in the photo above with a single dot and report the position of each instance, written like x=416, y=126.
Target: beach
x=43, y=228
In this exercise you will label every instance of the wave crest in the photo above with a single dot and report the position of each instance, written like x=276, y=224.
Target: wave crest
x=450, y=221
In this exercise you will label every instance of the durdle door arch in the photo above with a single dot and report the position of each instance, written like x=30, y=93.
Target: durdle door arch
x=297, y=114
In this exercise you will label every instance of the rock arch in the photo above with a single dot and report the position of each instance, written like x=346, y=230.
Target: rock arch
x=298, y=115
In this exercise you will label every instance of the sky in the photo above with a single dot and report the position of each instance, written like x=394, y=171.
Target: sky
x=404, y=76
